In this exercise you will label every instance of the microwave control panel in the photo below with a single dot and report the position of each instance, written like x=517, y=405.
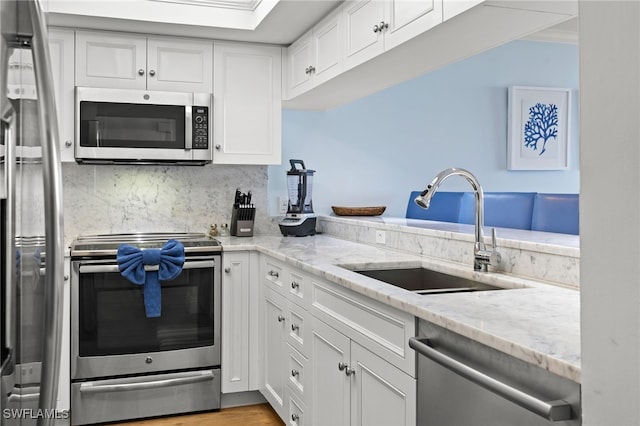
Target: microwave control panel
x=200, y=122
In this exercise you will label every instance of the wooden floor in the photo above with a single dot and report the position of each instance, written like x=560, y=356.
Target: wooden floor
x=250, y=415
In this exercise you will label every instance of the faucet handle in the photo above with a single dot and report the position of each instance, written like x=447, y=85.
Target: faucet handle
x=493, y=238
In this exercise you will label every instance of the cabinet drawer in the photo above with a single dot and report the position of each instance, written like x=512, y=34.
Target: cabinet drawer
x=297, y=286
x=298, y=328
x=297, y=365
x=296, y=411
x=380, y=328
x=273, y=273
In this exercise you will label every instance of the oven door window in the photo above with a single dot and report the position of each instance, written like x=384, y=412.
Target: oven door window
x=120, y=125
x=112, y=319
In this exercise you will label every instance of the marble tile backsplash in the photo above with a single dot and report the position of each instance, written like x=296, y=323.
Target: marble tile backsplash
x=126, y=198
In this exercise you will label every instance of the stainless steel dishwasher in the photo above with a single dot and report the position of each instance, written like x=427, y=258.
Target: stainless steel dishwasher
x=464, y=383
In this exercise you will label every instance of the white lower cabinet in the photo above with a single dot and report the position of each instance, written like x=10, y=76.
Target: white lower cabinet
x=353, y=386
x=239, y=322
x=331, y=356
x=273, y=349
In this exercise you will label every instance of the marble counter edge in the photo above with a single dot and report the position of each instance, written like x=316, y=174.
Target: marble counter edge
x=556, y=244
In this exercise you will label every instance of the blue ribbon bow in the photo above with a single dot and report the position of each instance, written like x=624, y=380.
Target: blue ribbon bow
x=169, y=260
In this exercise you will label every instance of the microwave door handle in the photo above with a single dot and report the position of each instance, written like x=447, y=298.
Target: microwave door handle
x=94, y=133
x=188, y=125
x=54, y=238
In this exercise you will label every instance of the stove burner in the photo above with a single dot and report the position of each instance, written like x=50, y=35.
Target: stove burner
x=105, y=245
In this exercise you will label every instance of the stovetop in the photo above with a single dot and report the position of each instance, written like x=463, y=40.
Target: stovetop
x=107, y=244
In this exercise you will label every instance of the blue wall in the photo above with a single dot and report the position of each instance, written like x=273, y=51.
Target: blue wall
x=376, y=150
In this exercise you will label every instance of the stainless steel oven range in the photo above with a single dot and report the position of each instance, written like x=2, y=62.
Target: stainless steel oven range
x=125, y=365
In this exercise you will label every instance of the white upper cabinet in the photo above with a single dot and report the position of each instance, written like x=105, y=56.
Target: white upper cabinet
x=61, y=44
x=316, y=56
x=247, y=104
x=127, y=61
x=374, y=26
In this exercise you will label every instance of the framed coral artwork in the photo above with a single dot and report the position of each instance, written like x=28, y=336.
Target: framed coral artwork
x=538, y=128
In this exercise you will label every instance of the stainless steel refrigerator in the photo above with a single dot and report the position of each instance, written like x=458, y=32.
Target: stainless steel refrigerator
x=31, y=242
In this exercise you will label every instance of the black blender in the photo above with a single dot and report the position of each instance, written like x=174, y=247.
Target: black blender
x=300, y=220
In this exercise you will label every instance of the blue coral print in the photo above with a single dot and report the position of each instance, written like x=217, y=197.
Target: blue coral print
x=541, y=127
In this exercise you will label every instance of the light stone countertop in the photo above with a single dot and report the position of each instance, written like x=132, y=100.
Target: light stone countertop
x=533, y=321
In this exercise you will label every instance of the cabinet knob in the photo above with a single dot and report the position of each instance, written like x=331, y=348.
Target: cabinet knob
x=66, y=277
x=295, y=327
x=218, y=146
x=376, y=28
x=307, y=70
x=68, y=143
x=295, y=285
x=342, y=366
x=227, y=270
x=294, y=373
x=312, y=69
x=295, y=417
x=349, y=372
x=280, y=318
x=152, y=72
x=140, y=71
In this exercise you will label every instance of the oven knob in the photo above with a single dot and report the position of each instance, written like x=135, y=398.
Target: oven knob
x=149, y=360
x=199, y=119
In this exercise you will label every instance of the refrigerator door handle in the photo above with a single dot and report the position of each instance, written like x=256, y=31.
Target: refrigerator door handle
x=54, y=237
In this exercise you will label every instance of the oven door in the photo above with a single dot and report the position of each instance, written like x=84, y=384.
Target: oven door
x=111, y=335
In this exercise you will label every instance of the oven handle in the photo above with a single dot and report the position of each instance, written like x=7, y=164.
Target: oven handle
x=552, y=410
x=89, y=388
x=93, y=269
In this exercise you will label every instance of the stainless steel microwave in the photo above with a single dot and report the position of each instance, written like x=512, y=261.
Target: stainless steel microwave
x=142, y=127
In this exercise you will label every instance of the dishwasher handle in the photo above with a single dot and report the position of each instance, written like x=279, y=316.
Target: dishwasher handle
x=551, y=410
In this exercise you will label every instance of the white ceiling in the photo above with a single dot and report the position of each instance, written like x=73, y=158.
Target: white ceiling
x=266, y=21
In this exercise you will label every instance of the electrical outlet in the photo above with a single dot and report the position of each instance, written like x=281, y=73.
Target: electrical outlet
x=380, y=236
x=283, y=205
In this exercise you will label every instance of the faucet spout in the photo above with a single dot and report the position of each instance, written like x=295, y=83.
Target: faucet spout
x=482, y=256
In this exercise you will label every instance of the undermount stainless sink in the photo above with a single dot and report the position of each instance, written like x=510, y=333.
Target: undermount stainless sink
x=426, y=281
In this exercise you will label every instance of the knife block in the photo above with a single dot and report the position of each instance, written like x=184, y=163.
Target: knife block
x=242, y=220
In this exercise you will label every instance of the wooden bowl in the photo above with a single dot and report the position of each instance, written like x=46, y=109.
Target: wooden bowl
x=358, y=211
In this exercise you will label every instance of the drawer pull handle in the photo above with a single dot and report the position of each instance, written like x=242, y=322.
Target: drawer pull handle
x=280, y=318
x=273, y=274
x=295, y=327
x=295, y=285
x=552, y=410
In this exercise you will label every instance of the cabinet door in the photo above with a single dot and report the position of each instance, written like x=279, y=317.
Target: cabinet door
x=330, y=389
x=247, y=104
x=111, y=60
x=300, y=58
x=179, y=65
x=381, y=394
x=235, y=322
x=408, y=18
x=61, y=47
x=362, y=42
x=328, y=41
x=274, y=350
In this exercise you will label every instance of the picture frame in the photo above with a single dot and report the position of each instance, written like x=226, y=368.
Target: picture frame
x=538, y=128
